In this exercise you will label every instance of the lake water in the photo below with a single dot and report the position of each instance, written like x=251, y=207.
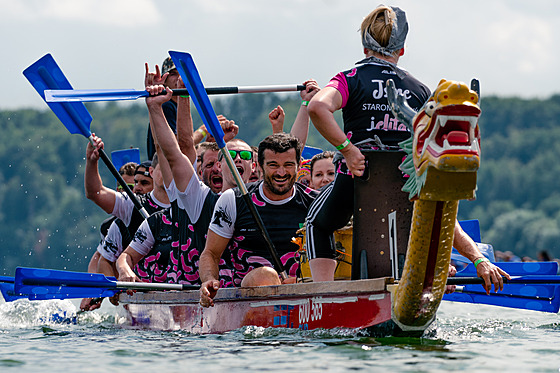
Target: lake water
x=468, y=337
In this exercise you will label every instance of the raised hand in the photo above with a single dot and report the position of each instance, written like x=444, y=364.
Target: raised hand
x=276, y=117
x=311, y=89
x=155, y=98
x=229, y=127
x=154, y=78
x=92, y=150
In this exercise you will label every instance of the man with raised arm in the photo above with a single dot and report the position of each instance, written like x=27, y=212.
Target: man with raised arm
x=193, y=201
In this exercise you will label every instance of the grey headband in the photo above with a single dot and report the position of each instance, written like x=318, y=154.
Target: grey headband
x=396, y=41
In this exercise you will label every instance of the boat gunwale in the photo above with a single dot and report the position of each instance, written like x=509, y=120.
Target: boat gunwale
x=330, y=288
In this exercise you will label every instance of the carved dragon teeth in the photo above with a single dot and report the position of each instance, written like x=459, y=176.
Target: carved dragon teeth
x=441, y=122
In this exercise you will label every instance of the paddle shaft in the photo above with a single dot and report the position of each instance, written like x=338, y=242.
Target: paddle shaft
x=105, y=284
x=462, y=290
x=248, y=89
x=91, y=95
x=121, y=181
x=552, y=279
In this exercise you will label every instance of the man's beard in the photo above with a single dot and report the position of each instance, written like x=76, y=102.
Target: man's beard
x=269, y=183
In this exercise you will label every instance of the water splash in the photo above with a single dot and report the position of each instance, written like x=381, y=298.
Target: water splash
x=23, y=313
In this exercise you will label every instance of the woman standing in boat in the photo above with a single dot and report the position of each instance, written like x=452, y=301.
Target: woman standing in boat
x=361, y=94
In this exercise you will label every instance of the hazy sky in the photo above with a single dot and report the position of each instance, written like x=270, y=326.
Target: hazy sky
x=511, y=46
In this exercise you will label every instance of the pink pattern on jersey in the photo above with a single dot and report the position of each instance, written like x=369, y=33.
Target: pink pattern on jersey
x=241, y=252
x=192, y=278
x=157, y=271
x=194, y=252
x=186, y=246
x=151, y=258
x=172, y=277
x=172, y=258
x=191, y=228
x=140, y=272
x=256, y=201
x=164, y=218
x=186, y=266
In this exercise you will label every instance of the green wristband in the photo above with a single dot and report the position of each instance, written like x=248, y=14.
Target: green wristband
x=304, y=103
x=343, y=145
x=480, y=260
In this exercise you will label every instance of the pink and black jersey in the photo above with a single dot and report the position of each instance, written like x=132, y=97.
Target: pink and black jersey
x=365, y=109
x=153, y=240
x=247, y=248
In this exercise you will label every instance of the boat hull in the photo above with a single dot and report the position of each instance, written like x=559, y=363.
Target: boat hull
x=361, y=304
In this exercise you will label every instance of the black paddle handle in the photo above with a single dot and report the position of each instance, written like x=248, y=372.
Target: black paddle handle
x=123, y=183
x=220, y=90
x=271, y=248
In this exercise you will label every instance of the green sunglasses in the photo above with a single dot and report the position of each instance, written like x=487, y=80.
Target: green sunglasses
x=246, y=155
x=120, y=188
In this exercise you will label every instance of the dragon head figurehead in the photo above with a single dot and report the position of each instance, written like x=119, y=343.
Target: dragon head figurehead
x=444, y=151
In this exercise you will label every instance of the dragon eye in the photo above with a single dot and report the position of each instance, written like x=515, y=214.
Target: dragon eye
x=430, y=108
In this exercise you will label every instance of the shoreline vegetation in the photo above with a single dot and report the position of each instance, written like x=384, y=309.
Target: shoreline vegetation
x=46, y=220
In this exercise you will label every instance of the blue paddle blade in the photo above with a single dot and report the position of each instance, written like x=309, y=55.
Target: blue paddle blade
x=52, y=277
x=89, y=95
x=538, y=297
x=45, y=74
x=121, y=157
x=42, y=284
x=543, y=298
x=7, y=279
x=309, y=151
x=7, y=290
x=44, y=292
x=187, y=69
x=517, y=269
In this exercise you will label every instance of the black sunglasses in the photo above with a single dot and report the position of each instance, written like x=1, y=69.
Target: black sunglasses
x=246, y=155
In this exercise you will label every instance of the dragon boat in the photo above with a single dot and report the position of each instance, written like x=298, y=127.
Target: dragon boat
x=401, y=241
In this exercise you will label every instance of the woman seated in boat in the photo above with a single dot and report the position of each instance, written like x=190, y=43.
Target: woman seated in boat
x=322, y=170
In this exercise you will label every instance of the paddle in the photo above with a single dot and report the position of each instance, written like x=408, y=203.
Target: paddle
x=543, y=280
x=7, y=279
x=46, y=74
x=466, y=290
x=543, y=298
x=40, y=283
x=7, y=289
x=88, y=95
x=189, y=73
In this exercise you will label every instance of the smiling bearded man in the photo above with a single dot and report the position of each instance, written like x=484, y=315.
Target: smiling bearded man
x=282, y=204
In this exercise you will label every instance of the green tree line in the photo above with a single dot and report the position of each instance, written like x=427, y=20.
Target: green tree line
x=46, y=221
